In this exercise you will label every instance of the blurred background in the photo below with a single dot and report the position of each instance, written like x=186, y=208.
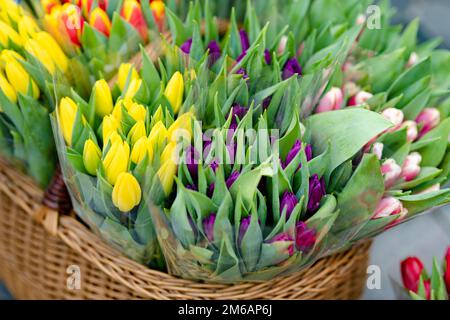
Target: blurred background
x=427, y=236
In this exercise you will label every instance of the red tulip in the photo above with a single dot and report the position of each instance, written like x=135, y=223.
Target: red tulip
x=100, y=21
x=429, y=118
x=411, y=269
x=73, y=22
x=132, y=13
x=158, y=9
x=447, y=270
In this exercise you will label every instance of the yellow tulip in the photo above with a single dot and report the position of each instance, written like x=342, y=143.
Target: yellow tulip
x=182, y=125
x=7, y=89
x=35, y=49
x=137, y=111
x=124, y=71
x=127, y=192
x=27, y=27
x=8, y=33
x=133, y=89
x=169, y=153
x=53, y=49
x=141, y=148
x=103, y=98
x=158, y=134
x=16, y=74
x=166, y=175
x=67, y=113
x=174, y=91
x=116, y=160
x=137, y=131
x=158, y=115
x=91, y=157
x=109, y=126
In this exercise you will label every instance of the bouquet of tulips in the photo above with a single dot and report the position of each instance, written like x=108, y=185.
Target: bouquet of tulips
x=420, y=285
x=30, y=59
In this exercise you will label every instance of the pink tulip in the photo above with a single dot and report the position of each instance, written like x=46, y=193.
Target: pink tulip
x=377, y=149
x=389, y=207
x=411, y=130
x=282, y=45
x=429, y=118
x=394, y=115
x=447, y=270
x=331, y=101
x=413, y=59
x=359, y=99
x=433, y=188
x=391, y=172
x=411, y=166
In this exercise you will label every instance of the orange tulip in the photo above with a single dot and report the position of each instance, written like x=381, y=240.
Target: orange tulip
x=132, y=13
x=100, y=21
x=158, y=9
x=48, y=5
x=73, y=22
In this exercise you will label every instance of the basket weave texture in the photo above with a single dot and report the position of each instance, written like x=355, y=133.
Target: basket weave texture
x=33, y=263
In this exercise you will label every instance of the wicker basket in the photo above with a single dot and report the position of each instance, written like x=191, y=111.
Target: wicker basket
x=33, y=263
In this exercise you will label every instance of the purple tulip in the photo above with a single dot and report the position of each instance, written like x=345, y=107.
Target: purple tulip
x=290, y=201
x=211, y=189
x=214, y=165
x=208, y=226
x=266, y=103
x=241, y=56
x=293, y=153
x=237, y=111
x=305, y=238
x=186, y=46
x=243, y=72
x=214, y=52
x=232, y=179
x=192, y=187
x=245, y=42
x=316, y=193
x=284, y=237
x=192, y=157
x=245, y=223
x=308, y=152
x=267, y=56
x=291, y=68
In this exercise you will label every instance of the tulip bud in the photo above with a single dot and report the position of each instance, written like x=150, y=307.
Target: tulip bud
x=91, y=157
x=394, y=115
x=186, y=46
x=411, y=269
x=109, y=126
x=158, y=9
x=166, y=175
x=293, y=153
x=182, y=126
x=16, y=74
x=99, y=20
x=447, y=270
x=116, y=161
x=7, y=89
x=214, y=52
x=232, y=179
x=8, y=34
x=27, y=27
x=125, y=70
x=48, y=5
x=288, y=201
x=389, y=207
x=245, y=42
x=33, y=48
x=138, y=112
x=428, y=119
x=192, y=160
x=174, y=91
x=284, y=237
x=359, y=99
x=291, y=68
x=132, y=13
x=413, y=59
x=245, y=223
x=67, y=113
x=49, y=44
x=127, y=192
x=133, y=89
x=86, y=6
x=305, y=238
x=103, y=98
x=208, y=226
x=237, y=112
x=142, y=148
x=411, y=166
x=411, y=130
x=137, y=131
x=391, y=172
x=73, y=22
x=316, y=193
x=158, y=134
x=331, y=101
x=433, y=188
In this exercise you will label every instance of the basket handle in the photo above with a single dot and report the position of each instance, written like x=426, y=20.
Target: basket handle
x=56, y=201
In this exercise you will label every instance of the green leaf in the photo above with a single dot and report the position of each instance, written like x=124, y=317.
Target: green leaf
x=421, y=202
x=251, y=243
x=433, y=153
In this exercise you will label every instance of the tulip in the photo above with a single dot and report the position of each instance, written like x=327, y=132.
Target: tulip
x=186, y=46
x=126, y=70
x=288, y=201
x=411, y=166
x=103, y=98
x=447, y=270
x=268, y=57
x=127, y=192
x=433, y=188
x=7, y=89
x=413, y=60
x=293, y=153
x=245, y=223
x=377, y=149
x=308, y=152
x=86, y=6
x=359, y=99
x=411, y=269
x=16, y=74
x=133, y=89
x=100, y=21
x=284, y=237
x=138, y=112
x=109, y=126
x=389, y=207
x=158, y=134
x=158, y=9
x=91, y=157
x=391, y=172
x=132, y=13
x=27, y=27
x=331, y=101
x=214, y=52
x=232, y=179
x=305, y=238
x=137, y=131
x=33, y=48
x=428, y=119
x=48, y=5
x=73, y=22
x=237, y=112
x=49, y=44
x=116, y=161
x=174, y=91
x=243, y=72
x=141, y=149
x=192, y=158
x=394, y=115
x=208, y=226
x=9, y=34
x=245, y=42
x=166, y=175
x=316, y=193
x=411, y=130
x=183, y=125
x=291, y=68
x=67, y=113
x=282, y=45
